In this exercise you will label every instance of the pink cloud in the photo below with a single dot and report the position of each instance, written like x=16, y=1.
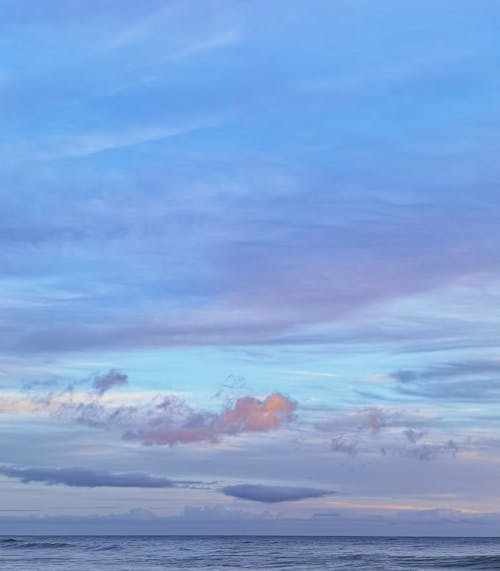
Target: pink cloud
x=248, y=414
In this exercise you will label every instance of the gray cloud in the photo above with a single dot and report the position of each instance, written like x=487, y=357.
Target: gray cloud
x=345, y=443
x=44, y=392
x=424, y=451
x=413, y=435
x=386, y=432
x=272, y=494
x=84, y=478
x=430, y=451
x=112, y=378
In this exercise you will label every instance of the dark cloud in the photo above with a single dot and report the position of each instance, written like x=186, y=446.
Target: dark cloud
x=414, y=435
x=84, y=478
x=272, y=494
x=112, y=378
x=347, y=444
x=424, y=451
x=430, y=451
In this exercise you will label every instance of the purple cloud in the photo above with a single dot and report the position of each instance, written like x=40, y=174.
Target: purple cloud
x=173, y=421
x=112, y=378
x=84, y=478
x=176, y=423
x=273, y=494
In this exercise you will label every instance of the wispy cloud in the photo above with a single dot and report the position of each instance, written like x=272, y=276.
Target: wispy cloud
x=428, y=451
x=92, y=143
x=313, y=374
x=220, y=40
x=466, y=381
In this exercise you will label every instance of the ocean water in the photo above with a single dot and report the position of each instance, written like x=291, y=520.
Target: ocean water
x=141, y=553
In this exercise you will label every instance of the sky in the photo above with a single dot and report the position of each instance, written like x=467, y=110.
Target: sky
x=249, y=267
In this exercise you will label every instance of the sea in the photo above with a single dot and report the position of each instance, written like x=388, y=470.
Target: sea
x=258, y=553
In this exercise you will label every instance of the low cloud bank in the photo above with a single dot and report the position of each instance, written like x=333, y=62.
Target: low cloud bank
x=222, y=521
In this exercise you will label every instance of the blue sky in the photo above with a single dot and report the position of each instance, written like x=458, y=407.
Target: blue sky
x=249, y=265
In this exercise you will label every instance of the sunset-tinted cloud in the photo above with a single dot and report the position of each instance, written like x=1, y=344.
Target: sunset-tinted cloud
x=175, y=423
x=165, y=420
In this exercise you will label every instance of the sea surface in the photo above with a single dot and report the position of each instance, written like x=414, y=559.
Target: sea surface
x=141, y=553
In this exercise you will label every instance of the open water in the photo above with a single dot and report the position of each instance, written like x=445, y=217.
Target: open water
x=200, y=553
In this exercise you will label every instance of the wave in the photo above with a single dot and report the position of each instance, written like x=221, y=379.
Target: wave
x=24, y=544
x=105, y=548
x=483, y=562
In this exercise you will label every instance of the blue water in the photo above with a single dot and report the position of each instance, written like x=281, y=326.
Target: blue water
x=141, y=553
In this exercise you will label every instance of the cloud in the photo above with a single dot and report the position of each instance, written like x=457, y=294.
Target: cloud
x=347, y=444
x=169, y=420
x=368, y=419
x=313, y=374
x=358, y=239
x=414, y=435
x=163, y=420
x=111, y=379
x=272, y=494
x=218, y=520
x=174, y=422
x=453, y=369
x=84, y=478
x=221, y=40
x=88, y=144
x=429, y=451
x=468, y=380
x=388, y=432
